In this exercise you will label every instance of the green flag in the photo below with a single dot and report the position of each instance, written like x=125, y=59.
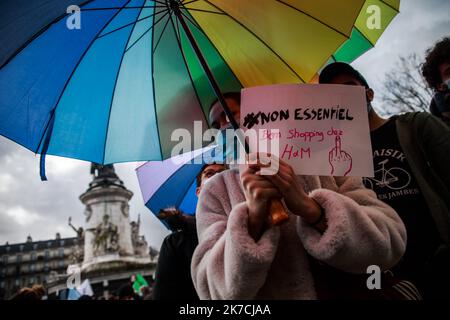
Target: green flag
x=139, y=283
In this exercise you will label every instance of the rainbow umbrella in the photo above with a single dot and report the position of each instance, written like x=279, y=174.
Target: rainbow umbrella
x=175, y=184
x=114, y=89
x=172, y=182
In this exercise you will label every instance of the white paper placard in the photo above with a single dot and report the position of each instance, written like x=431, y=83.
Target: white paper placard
x=323, y=129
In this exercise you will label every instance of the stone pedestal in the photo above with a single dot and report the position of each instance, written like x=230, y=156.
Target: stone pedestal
x=108, y=231
x=113, y=249
x=108, y=236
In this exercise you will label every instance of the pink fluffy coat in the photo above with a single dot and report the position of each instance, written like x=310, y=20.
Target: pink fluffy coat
x=229, y=264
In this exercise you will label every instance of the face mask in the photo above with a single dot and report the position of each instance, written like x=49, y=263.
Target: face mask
x=227, y=147
x=369, y=104
x=447, y=83
x=442, y=102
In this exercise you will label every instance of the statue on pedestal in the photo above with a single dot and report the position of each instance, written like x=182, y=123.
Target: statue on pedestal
x=76, y=256
x=106, y=237
x=139, y=243
x=79, y=231
x=100, y=171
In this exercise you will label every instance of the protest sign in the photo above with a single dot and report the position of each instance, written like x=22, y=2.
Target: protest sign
x=320, y=129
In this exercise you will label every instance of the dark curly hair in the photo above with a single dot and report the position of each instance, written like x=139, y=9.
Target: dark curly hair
x=437, y=55
x=198, y=179
x=234, y=95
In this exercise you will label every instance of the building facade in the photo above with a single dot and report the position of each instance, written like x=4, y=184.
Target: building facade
x=33, y=262
x=108, y=251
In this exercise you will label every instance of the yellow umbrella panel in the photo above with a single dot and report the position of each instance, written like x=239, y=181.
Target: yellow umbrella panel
x=267, y=41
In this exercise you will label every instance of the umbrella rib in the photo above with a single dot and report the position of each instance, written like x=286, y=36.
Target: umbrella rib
x=117, y=80
x=191, y=161
x=387, y=4
x=36, y=35
x=148, y=30
x=314, y=18
x=186, y=3
x=354, y=22
x=189, y=73
x=190, y=20
x=154, y=91
x=53, y=111
x=128, y=24
x=173, y=174
x=261, y=40
x=177, y=34
x=371, y=44
x=186, y=192
x=127, y=8
x=203, y=10
x=195, y=24
x=162, y=32
x=160, y=2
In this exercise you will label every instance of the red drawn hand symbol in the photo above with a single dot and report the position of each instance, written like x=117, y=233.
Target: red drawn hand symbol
x=341, y=162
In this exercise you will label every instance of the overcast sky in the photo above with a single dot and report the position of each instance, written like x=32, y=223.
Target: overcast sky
x=40, y=209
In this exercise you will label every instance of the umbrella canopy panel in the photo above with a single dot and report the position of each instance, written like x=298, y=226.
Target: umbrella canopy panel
x=364, y=36
x=22, y=20
x=172, y=183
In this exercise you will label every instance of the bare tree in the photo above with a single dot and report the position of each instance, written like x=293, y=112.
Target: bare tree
x=405, y=90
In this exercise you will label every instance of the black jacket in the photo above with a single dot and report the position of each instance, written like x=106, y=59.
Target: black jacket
x=173, y=279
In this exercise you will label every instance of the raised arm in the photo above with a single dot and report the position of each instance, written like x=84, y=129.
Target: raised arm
x=228, y=263
x=361, y=230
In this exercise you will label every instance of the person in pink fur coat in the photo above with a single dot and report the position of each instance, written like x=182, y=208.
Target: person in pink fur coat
x=334, y=220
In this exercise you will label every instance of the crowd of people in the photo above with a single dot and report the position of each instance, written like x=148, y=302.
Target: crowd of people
x=125, y=292
x=338, y=226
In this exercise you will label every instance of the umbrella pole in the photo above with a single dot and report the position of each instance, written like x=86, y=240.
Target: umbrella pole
x=212, y=81
x=278, y=214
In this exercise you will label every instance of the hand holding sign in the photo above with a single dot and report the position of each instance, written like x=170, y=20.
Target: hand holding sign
x=341, y=162
x=259, y=193
x=293, y=193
